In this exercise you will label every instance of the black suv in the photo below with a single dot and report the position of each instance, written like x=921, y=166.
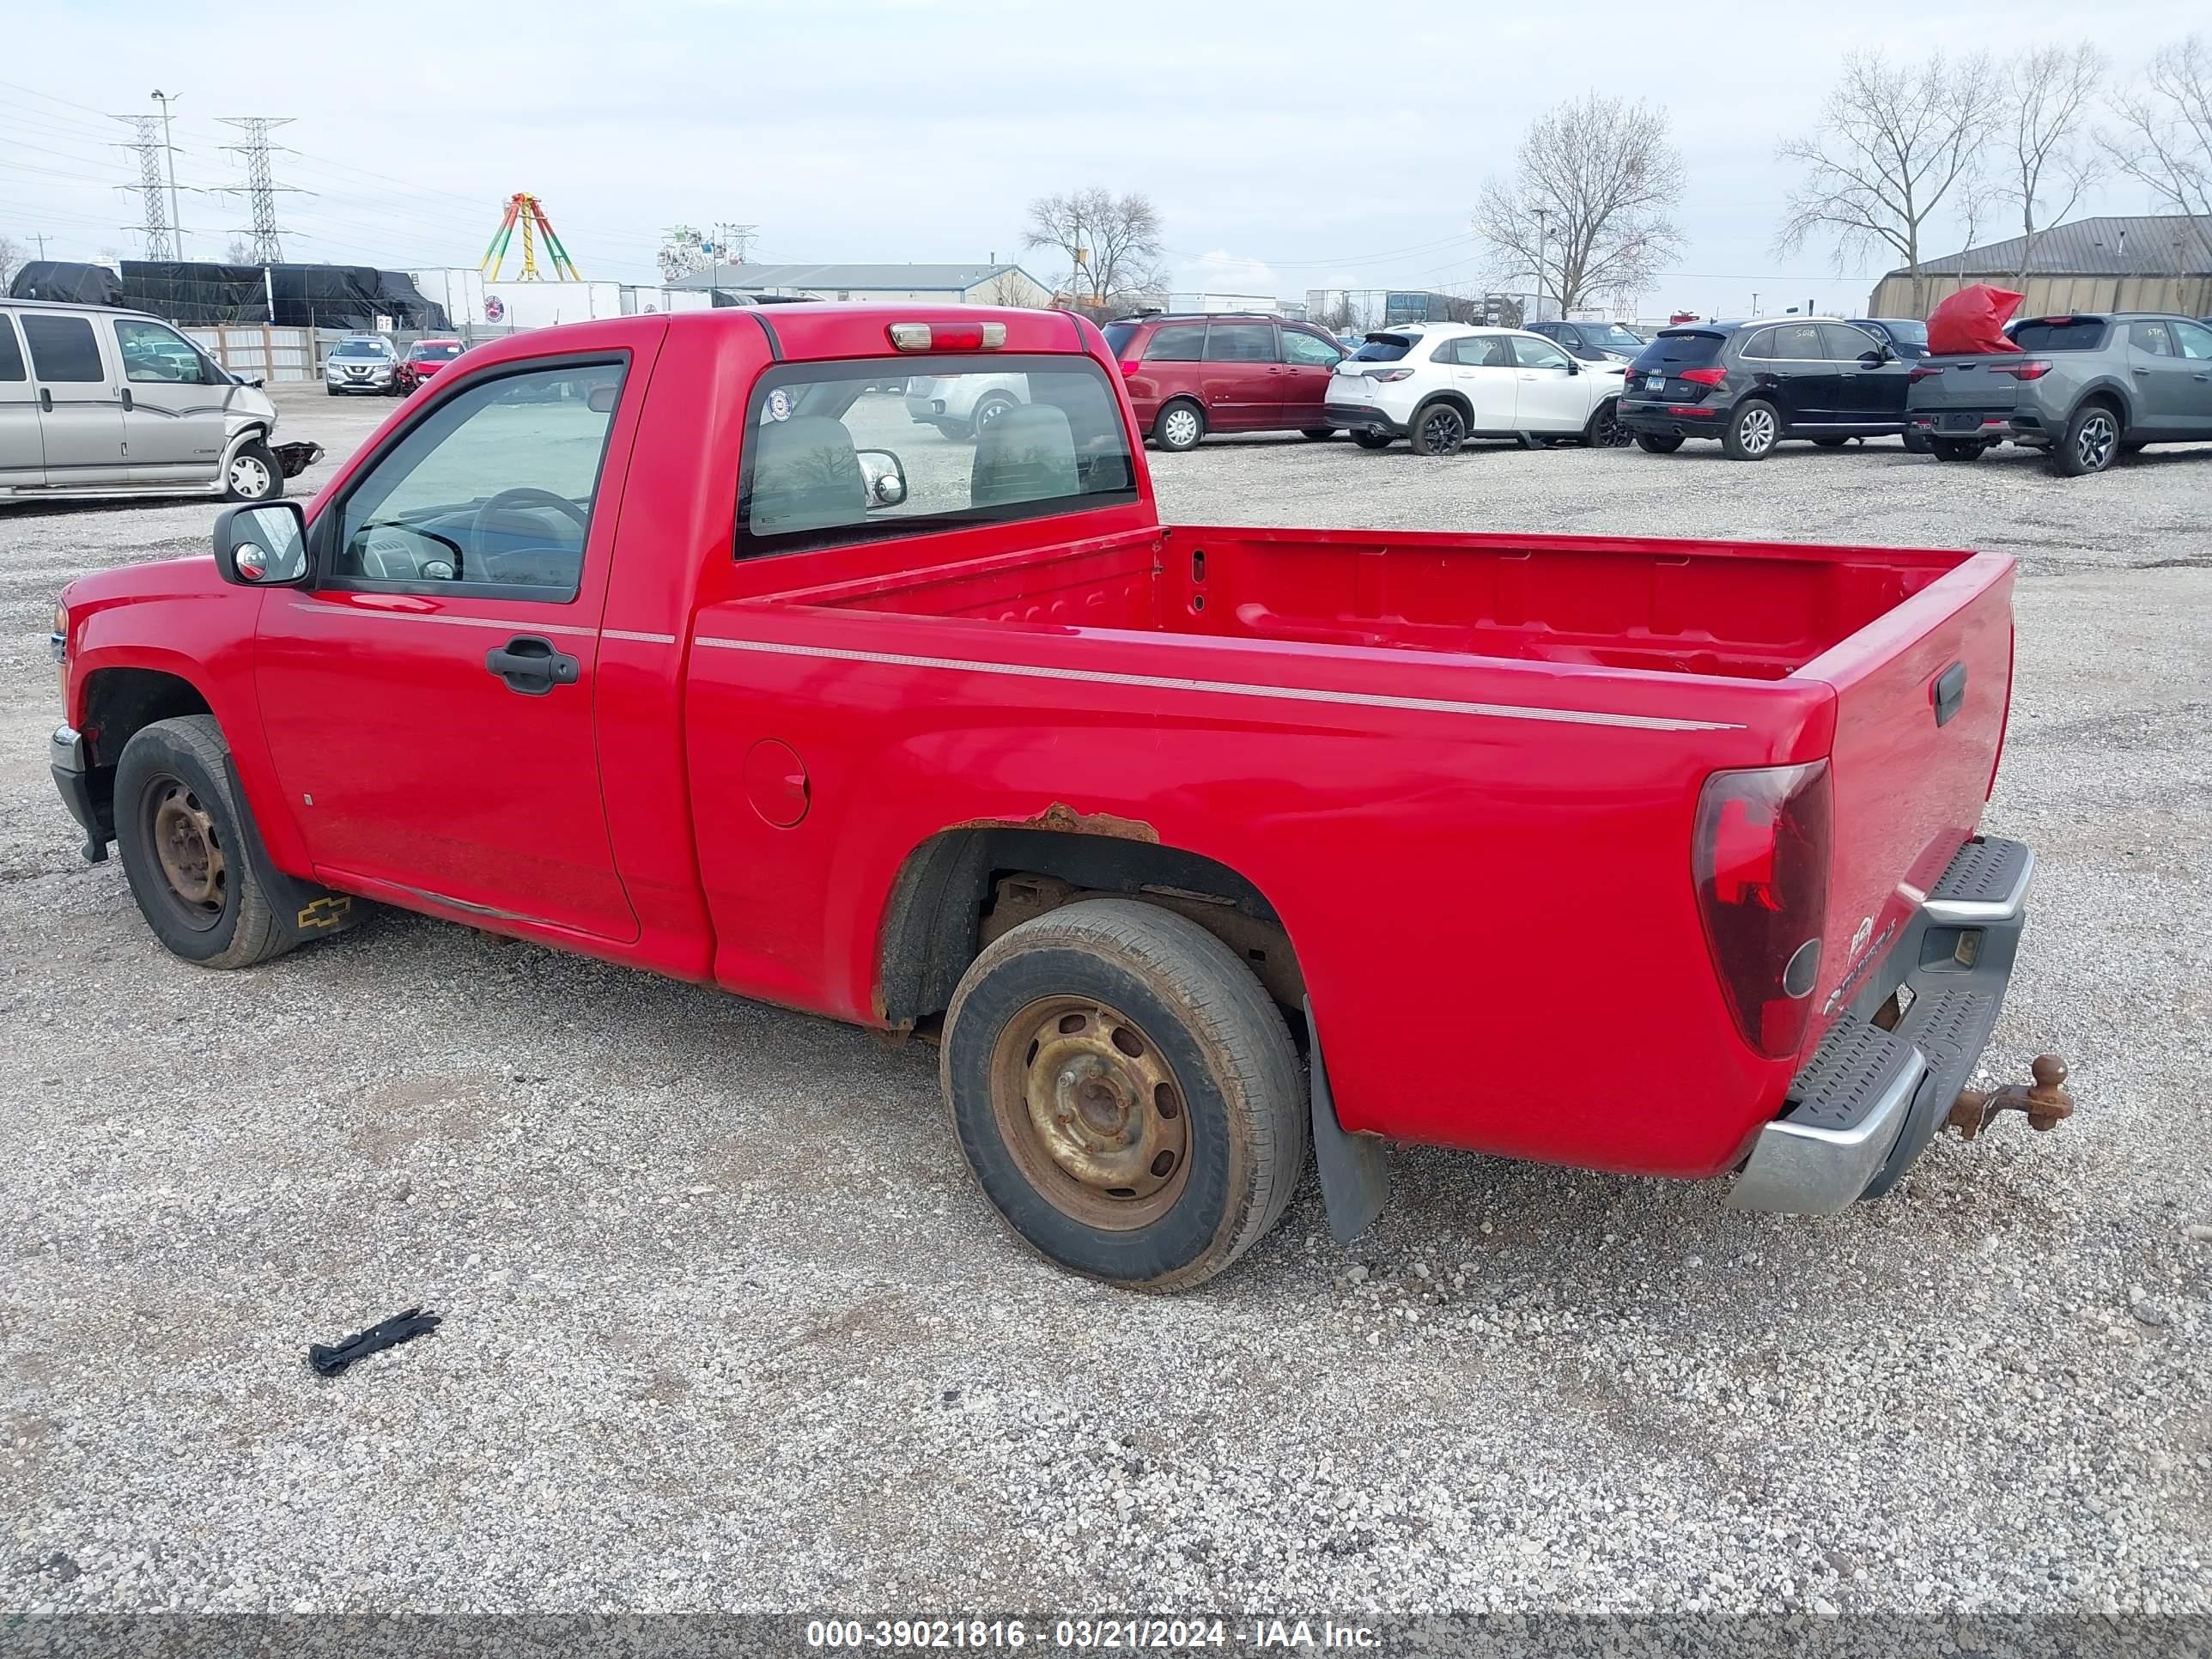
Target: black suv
x=1594, y=342
x=1752, y=385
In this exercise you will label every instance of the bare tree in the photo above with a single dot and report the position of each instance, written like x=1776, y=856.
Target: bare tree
x=2165, y=137
x=1111, y=243
x=1589, y=207
x=240, y=252
x=1895, y=143
x=11, y=259
x=2047, y=159
x=1011, y=287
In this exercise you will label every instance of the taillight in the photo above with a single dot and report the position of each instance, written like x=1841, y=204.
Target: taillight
x=1712, y=376
x=1922, y=373
x=2033, y=369
x=1130, y=368
x=1760, y=863
x=1390, y=375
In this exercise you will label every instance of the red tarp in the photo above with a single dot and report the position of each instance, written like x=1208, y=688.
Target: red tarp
x=1971, y=320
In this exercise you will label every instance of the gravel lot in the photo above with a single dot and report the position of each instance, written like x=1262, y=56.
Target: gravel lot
x=728, y=1328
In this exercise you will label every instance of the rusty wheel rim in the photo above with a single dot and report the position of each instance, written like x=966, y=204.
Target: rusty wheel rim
x=1092, y=1111
x=189, y=852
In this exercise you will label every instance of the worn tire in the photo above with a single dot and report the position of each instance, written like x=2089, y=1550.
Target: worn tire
x=187, y=760
x=1317, y=433
x=2091, y=443
x=1437, y=428
x=1658, y=443
x=1174, y=434
x=1234, y=1079
x=255, y=454
x=1754, y=428
x=1373, y=439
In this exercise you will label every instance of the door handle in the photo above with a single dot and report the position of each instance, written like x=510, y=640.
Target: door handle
x=2137, y=368
x=126, y=397
x=532, y=666
x=46, y=400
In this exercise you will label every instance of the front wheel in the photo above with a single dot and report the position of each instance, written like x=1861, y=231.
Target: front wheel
x=182, y=835
x=1179, y=427
x=1373, y=439
x=1125, y=1093
x=1605, y=430
x=1439, y=429
x=253, y=474
x=1752, y=431
x=1658, y=443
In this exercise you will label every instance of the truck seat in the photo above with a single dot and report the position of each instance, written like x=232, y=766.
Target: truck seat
x=806, y=476
x=1027, y=455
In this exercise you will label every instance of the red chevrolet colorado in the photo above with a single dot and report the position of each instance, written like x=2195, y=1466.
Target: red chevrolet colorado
x=667, y=639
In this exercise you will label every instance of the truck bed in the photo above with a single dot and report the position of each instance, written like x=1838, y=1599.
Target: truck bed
x=1731, y=611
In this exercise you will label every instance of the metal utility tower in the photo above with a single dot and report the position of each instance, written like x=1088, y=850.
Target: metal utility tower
x=149, y=147
x=260, y=188
x=527, y=211
x=733, y=242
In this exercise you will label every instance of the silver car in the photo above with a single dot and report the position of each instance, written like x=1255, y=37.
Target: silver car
x=363, y=363
x=961, y=405
x=99, y=402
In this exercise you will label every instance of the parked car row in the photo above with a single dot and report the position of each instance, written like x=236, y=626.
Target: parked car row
x=370, y=364
x=2086, y=389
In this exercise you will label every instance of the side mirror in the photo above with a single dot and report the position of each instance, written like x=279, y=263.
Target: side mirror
x=883, y=476
x=1573, y=367
x=602, y=397
x=262, y=546
x=1876, y=359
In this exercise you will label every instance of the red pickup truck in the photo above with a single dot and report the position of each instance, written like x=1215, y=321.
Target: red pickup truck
x=667, y=639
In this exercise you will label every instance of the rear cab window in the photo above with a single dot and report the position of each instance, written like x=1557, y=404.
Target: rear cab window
x=828, y=462
x=2060, y=334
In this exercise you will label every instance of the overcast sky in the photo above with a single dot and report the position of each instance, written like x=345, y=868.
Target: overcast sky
x=1288, y=145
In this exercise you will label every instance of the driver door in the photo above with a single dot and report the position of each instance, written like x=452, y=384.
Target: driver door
x=427, y=699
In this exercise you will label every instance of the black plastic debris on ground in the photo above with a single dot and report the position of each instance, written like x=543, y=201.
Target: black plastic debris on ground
x=330, y=1359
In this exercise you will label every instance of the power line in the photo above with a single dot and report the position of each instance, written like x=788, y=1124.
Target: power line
x=260, y=188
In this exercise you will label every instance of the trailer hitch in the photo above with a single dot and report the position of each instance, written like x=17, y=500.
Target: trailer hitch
x=2046, y=1101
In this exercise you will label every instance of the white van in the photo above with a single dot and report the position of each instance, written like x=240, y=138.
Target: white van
x=99, y=402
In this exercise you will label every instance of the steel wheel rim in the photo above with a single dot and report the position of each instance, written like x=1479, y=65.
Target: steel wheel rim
x=248, y=476
x=2094, y=446
x=188, y=853
x=1182, y=428
x=1091, y=1112
x=1444, y=429
x=1757, y=432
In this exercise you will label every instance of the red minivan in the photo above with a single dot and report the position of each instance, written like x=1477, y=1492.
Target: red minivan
x=1192, y=375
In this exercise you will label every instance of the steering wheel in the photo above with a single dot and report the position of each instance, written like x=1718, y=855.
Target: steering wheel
x=524, y=495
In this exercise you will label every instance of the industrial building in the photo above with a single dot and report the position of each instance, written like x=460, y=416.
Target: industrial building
x=2152, y=262
x=987, y=285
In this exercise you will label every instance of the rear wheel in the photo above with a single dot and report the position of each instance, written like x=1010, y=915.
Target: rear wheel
x=987, y=411
x=1956, y=449
x=1752, y=431
x=1437, y=430
x=1657, y=443
x=1179, y=426
x=1830, y=443
x=1373, y=439
x=2091, y=441
x=1125, y=1093
x=1317, y=433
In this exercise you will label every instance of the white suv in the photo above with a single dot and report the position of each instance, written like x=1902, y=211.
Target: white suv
x=1439, y=384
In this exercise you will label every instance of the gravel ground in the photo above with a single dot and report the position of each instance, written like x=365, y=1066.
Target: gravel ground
x=726, y=1326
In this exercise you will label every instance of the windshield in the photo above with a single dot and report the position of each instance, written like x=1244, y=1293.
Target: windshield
x=1610, y=335
x=1906, y=331
x=1382, y=348
x=436, y=351
x=362, y=348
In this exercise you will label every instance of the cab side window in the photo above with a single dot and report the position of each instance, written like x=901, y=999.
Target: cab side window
x=1240, y=343
x=63, y=349
x=493, y=489
x=1300, y=347
x=2154, y=337
x=2195, y=343
x=11, y=354
x=153, y=353
x=1539, y=354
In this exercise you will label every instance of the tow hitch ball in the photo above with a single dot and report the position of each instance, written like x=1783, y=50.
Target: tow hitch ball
x=2045, y=1100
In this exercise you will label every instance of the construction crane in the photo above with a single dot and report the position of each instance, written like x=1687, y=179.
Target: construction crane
x=526, y=211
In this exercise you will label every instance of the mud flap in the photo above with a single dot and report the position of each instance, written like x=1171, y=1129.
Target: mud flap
x=1354, y=1178
x=309, y=910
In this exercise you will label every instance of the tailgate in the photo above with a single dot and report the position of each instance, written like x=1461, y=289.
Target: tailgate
x=1978, y=384
x=1921, y=697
